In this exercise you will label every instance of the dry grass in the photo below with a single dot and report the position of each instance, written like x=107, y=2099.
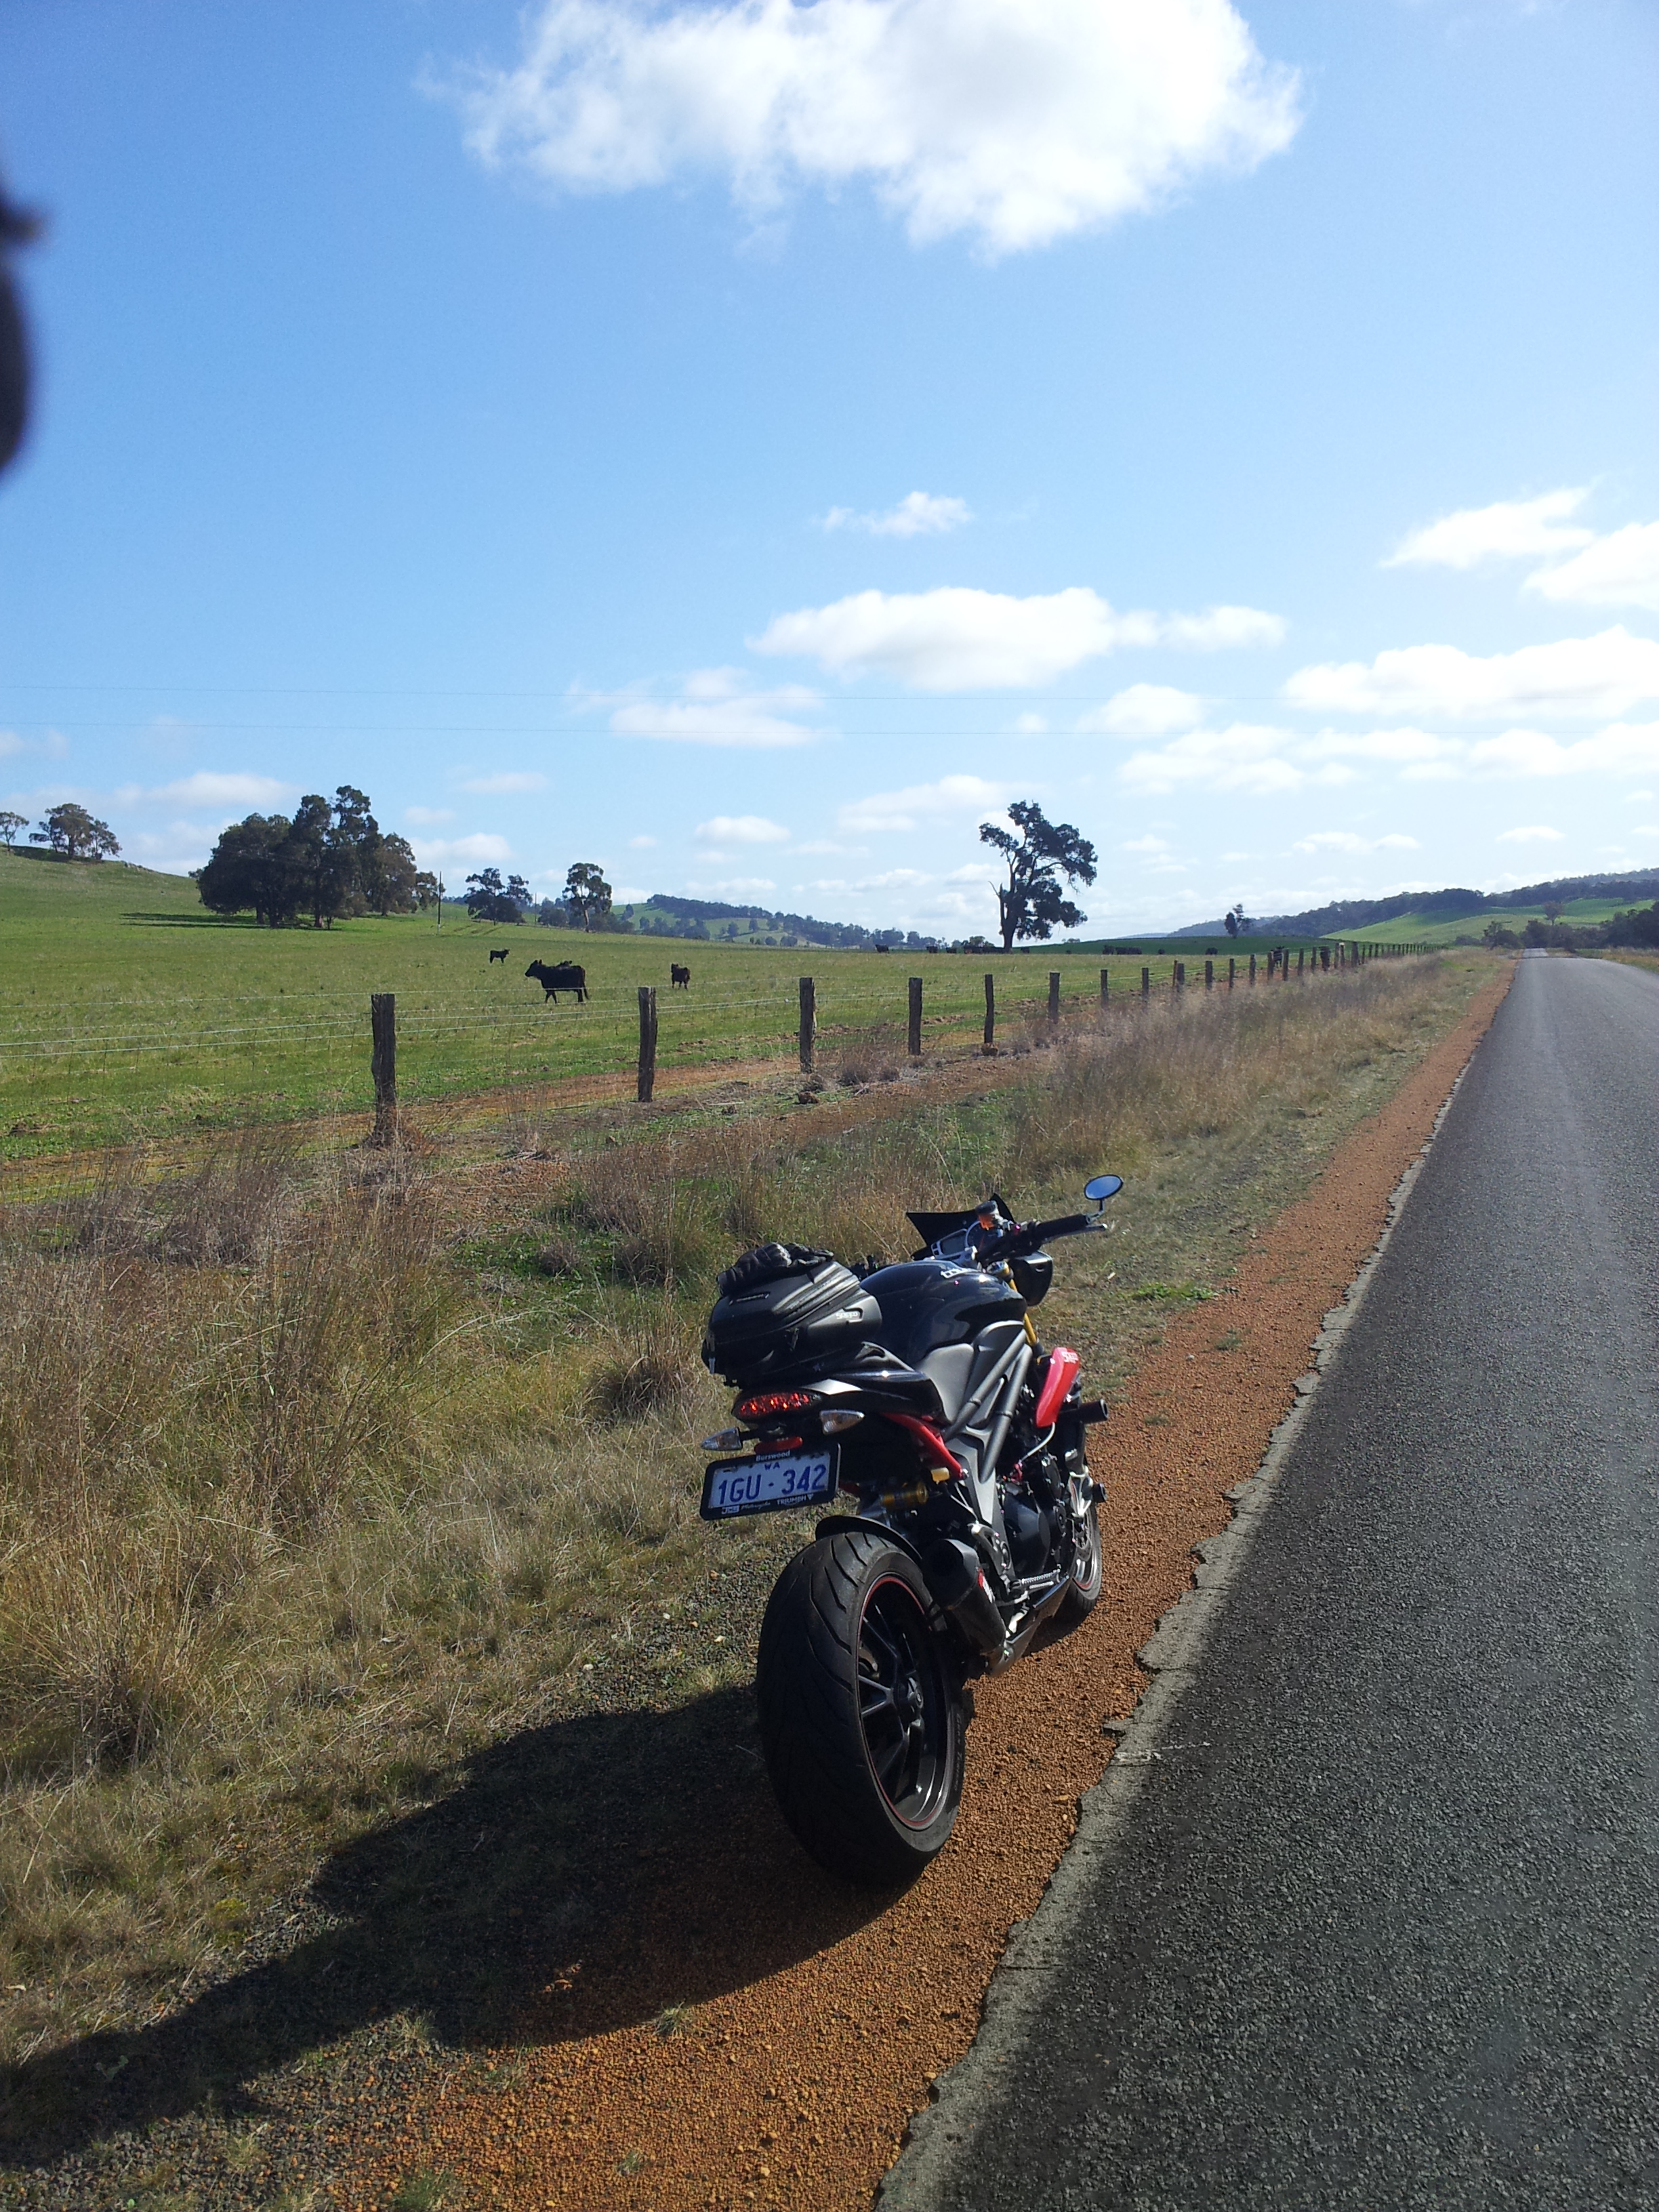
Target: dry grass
x=294, y=1510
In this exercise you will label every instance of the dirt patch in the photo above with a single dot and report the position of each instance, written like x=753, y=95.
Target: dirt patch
x=729, y=2027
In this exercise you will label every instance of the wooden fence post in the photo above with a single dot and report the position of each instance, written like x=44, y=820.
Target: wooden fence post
x=990, y=1013
x=647, y=1041
x=1232, y=971
x=1053, y=995
x=1146, y=983
x=913, y=1042
x=1102, y=987
x=1177, y=976
x=809, y=1008
x=1253, y=969
x=383, y=1065
x=1300, y=955
x=1209, y=974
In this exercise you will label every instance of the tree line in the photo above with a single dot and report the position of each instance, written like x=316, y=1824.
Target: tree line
x=67, y=830
x=330, y=859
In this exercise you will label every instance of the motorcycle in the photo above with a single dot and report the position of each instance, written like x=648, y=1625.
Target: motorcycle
x=914, y=1400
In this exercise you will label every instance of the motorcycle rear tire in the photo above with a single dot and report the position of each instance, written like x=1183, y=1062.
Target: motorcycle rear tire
x=1088, y=1574
x=861, y=1710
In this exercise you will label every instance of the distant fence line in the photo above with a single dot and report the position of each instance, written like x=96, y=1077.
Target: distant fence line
x=1315, y=960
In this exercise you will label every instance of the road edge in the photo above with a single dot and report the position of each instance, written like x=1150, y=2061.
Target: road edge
x=938, y=2136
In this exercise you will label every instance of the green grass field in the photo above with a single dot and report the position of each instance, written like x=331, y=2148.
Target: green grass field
x=1432, y=929
x=126, y=1010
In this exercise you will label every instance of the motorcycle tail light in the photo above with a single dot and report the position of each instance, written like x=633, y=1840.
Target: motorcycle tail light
x=764, y=1405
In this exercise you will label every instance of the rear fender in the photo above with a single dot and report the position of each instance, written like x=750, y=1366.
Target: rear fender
x=839, y=1524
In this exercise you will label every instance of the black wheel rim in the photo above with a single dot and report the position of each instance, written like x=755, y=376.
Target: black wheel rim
x=904, y=1703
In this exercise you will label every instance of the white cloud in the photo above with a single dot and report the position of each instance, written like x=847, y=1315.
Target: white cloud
x=715, y=707
x=640, y=844
x=1618, y=570
x=10, y=743
x=1017, y=122
x=1243, y=758
x=1607, y=674
x=1622, y=749
x=509, y=782
x=918, y=514
x=958, y=638
x=1145, y=710
x=741, y=829
x=1536, y=833
x=1348, y=840
x=1148, y=844
x=1505, y=532
x=208, y=789
x=427, y=817
x=1031, y=725
x=482, y=847
x=924, y=802
x=1264, y=760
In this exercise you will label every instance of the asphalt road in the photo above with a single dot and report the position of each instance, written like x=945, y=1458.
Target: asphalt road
x=1383, y=1929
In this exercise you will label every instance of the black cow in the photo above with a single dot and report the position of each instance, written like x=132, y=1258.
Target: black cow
x=566, y=977
x=501, y=955
x=680, y=978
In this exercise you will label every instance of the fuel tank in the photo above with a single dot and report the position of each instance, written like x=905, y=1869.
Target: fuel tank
x=927, y=1303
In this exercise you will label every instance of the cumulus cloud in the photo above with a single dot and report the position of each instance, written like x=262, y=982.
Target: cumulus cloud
x=1014, y=122
x=1607, y=674
x=1618, y=570
x=640, y=844
x=918, y=514
x=1532, y=833
x=1243, y=758
x=741, y=829
x=1147, y=844
x=958, y=638
x=481, y=847
x=1622, y=749
x=716, y=708
x=427, y=817
x=921, y=803
x=733, y=886
x=509, y=782
x=1261, y=760
x=1509, y=530
x=209, y=789
x=1145, y=710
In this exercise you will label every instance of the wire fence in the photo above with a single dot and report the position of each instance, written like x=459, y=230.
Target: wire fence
x=132, y=1057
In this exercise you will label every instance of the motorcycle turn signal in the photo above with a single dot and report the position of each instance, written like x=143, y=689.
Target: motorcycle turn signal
x=723, y=1440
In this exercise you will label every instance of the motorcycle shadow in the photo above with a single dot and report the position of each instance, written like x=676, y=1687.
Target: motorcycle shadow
x=595, y=1873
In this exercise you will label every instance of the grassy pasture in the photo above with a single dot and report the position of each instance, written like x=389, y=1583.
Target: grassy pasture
x=127, y=1010
x=1434, y=929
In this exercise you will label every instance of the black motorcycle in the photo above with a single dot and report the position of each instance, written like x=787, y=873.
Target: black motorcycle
x=915, y=1402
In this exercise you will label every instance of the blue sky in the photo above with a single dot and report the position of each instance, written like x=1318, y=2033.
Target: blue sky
x=747, y=445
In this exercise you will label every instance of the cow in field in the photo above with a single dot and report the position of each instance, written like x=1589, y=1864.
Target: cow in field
x=566, y=977
x=680, y=978
x=501, y=955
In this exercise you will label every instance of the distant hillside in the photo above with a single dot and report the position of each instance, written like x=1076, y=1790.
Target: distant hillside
x=1639, y=883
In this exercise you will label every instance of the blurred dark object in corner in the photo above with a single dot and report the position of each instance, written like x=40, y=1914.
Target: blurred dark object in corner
x=17, y=227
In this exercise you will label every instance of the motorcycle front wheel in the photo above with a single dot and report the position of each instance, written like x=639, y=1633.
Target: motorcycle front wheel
x=861, y=1711
x=1088, y=1572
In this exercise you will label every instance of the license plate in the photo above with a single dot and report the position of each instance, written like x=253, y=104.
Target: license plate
x=766, y=1486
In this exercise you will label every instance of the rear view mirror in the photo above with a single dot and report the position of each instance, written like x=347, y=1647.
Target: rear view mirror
x=1102, y=1188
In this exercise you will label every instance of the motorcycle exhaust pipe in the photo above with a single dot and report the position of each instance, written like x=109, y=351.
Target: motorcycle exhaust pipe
x=955, y=1579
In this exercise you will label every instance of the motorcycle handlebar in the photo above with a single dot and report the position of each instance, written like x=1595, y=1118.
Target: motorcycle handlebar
x=1066, y=1225
x=1026, y=1235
